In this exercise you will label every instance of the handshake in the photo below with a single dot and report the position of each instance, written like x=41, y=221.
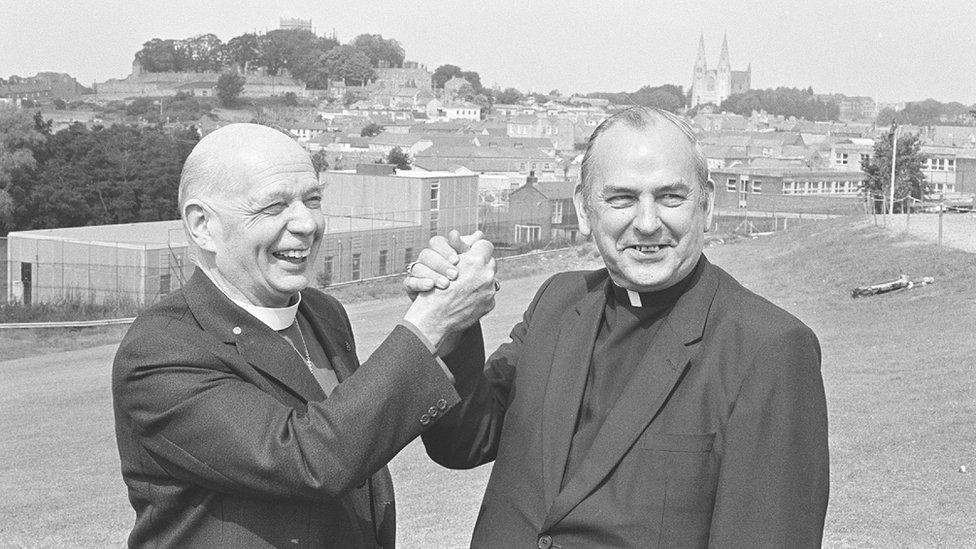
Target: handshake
x=452, y=285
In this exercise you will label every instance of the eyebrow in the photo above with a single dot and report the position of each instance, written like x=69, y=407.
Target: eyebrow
x=676, y=186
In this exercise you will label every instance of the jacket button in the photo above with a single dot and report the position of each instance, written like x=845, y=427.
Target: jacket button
x=545, y=542
x=432, y=412
x=348, y=346
x=237, y=330
x=424, y=419
x=442, y=404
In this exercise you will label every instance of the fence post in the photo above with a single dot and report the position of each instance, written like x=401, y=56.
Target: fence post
x=941, y=209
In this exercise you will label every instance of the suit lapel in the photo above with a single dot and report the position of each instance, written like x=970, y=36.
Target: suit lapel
x=567, y=379
x=259, y=345
x=330, y=329
x=660, y=370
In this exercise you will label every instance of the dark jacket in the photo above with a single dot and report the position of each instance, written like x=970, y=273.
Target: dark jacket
x=227, y=440
x=719, y=439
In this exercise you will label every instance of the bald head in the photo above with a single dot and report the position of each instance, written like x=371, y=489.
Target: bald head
x=227, y=158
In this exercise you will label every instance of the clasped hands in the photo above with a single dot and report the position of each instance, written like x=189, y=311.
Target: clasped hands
x=452, y=285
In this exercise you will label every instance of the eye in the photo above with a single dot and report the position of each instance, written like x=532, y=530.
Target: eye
x=620, y=200
x=276, y=208
x=313, y=202
x=673, y=199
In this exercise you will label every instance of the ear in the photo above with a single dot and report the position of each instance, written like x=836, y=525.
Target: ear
x=579, y=202
x=710, y=204
x=201, y=224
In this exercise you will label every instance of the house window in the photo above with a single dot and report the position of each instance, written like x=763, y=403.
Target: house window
x=325, y=277
x=356, y=266
x=407, y=257
x=525, y=234
x=731, y=184
x=382, y=263
x=548, y=166
x=557, y=211
x=841, y=158
x=522, y=166
x=789, y=187
x=164, y=284
x=756, y=186
x=435, y=196
x=865, y=157
x=435, y=218
x=951, y=164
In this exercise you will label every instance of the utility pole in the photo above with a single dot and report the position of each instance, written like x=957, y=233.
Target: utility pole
x=894, y=156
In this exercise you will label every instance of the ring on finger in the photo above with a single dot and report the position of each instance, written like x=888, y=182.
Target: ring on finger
x=410, y=268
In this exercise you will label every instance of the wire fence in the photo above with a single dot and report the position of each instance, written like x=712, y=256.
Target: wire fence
x=944, y=221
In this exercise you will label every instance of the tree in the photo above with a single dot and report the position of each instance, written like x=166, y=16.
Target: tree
x=474, y=78
x=204, y=52
x=120, y=174
x=782, y=101
x=510, y=96
x=320, y=161
x=379, y=50
x=398, y=158
x=444, y=73
x=59, y=104
x=19, y=137
x=371, y=130
x=242, y=51
x=290, y=99
x=909, y=179
x=229, y=88
x=350, y=64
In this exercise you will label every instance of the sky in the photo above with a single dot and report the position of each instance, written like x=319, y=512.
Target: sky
x=890, y=50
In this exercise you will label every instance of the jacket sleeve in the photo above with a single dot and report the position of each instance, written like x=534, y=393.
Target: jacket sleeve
x=468, y=436
x=774, y=479
x=194, y=418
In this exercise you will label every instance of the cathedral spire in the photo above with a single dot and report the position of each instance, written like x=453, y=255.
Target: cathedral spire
x=723, y=60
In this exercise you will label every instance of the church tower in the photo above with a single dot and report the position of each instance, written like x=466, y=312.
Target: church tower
x=701, y=70
x=723, y=84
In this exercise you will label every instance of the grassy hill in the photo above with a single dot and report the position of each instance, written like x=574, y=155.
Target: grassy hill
x=897, y=367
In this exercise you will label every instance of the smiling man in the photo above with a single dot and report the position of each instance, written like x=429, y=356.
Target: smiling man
x=654, y=403
x=243, y=416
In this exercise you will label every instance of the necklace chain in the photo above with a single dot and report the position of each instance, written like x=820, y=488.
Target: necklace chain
x=307, y=357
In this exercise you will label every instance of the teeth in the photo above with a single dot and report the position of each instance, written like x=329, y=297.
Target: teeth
x=652, y=248
x=294, y=254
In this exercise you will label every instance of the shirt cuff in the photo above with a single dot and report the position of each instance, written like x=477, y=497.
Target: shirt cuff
x=430, y=347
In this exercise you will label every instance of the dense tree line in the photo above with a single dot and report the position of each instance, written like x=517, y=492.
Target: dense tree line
x=80, y=176
x=312, y=59
x=667, y=97
x=782, y=101
x=929, y=113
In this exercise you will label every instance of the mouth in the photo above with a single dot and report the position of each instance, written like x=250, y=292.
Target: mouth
x=648, y=249
x=294, y=256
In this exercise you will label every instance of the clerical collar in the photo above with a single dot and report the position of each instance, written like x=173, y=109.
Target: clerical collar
x=666, y=296
x=276, y=318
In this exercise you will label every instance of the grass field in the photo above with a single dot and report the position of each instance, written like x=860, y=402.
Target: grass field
x=898, y=370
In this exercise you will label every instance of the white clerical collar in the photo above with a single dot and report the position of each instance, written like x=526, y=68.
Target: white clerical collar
x=277, y=318
x=635, y=298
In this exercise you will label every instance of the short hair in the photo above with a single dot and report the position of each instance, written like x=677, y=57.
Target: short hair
x=202, y=174
x=641, y=118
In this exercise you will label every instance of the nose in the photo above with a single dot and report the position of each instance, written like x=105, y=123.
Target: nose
x=646, y=219
x=303, y=220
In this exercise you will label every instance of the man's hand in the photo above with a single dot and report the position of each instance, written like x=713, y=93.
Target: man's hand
x=468, y=297
x=436, y=266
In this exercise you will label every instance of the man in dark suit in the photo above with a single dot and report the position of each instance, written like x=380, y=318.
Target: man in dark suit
x=243, y=416
x=654, y=403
